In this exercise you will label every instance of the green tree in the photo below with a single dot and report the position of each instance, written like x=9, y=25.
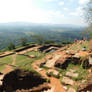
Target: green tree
x=11, y=46
x=88, y=18
x=88, y=12
x=23, y=41
x=38, y=38
x=49, y=42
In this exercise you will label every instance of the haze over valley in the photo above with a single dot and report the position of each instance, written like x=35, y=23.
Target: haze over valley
x=13, y=32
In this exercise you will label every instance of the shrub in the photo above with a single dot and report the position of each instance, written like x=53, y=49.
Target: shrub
x=11, y=46
x=56, y=76
x=45, y=67
x=48, y=80
x=48, y=74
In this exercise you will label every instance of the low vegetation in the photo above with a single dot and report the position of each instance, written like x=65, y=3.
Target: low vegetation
x=21, y=61
x=51, y=74
x=74, y=69
x=80, y=45
x=4, y=61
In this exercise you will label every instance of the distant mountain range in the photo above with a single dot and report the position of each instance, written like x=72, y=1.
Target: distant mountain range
x=39, y=24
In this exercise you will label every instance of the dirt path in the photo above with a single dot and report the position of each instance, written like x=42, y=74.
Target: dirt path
x=55, y=83
x=13, y=59
x=8, y=68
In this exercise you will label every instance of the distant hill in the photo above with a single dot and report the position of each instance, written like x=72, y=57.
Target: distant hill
x=12, y=32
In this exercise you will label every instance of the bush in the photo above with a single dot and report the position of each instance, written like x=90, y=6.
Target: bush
x=48, y=74
x=11, y=46
x=44, y=67
x=57, y=76
x=23, y=41
x=51, y=74
x=48, y=80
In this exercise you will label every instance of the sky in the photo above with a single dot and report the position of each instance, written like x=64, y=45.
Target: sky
x=43, y=11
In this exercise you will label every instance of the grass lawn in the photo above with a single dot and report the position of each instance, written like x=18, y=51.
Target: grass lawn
x=25, y=62
x=4, y=61
x=35, y=53
x=7, y=59
x=21, y=61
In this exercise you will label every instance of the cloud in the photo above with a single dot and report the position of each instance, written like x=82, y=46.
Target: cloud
x=51, y=0
x=55, y=13
x=58, y=13
x=25, y=10
x=78, y=12
x=65, y=9
x=71, y=0
x=29, y=11
x=83, y=1
x=61, y=3
x=74, y=13
x=22, y=10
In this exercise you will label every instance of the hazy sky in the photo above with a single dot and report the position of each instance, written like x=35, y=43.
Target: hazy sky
x=43, y=11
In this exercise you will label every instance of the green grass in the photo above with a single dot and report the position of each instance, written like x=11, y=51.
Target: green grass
x=21, y=61
x=25, y=62
x=78, y=69
x=80, y=46
x=35, y=53
x=45, y=67
x=2, y=66
x=20, y=58
x=4, y=61
x=7, y=59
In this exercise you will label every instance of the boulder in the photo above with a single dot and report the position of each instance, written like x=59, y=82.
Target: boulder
x=68, y=81
x=1, y=78
x=1, y=83
x=71, y=70
x=90, y=60
x=40, y=69
x=67, y=52
x=71, y=74
x=54, y=71
x=65, y=87
x=77, y=55
x=84, y=49
x=32, y=56
x=50, y=63
x=71, y=90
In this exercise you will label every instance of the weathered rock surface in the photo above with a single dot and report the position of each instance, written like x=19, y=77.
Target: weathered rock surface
x=65, y=87
x=90, y=60
x=51, y=62
x=1, y=78
x=71, y=90
x=32, y=56
x=68, y=81
x=54, y=71
x=71, y=74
